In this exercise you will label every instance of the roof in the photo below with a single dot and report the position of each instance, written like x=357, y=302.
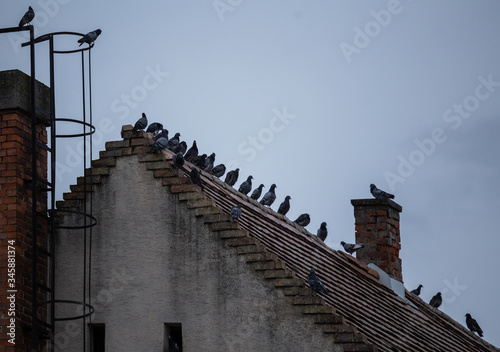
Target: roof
x=378, y=315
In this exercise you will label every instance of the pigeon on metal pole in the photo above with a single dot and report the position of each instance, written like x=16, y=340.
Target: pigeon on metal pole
x=246, y=186
x=473, y=325
x=417, y=290
x=141, y=123
x=269, y=197
x=218, y=170
x=257, y=192
x=235, y=212
x=232, y=177
x=378, y=193
x=194, y=175
x=322, y=231
x=315, y=283
x=178, y=160
x=303, y=220
x=351, y=247
x=192, y=153
x=89, y=38
x=285, y=206
x=436, y=300
x=27, y=18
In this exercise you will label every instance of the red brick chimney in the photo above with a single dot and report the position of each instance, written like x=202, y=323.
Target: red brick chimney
x=377, y=228
x=16, y=207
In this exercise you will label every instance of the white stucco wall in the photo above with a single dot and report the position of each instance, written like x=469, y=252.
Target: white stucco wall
x=154, y=262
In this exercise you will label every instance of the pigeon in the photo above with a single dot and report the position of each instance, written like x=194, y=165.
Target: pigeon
x=155, y=128
x=163, y=133
x=192, y=153
x=285, y=206
x=417, y=290
x=257, y=192
x=322, y=231
x=236, y=212
x=200, y=160
x=473, y=325
x=232, y=177
x=303, y=220
x=27, y=18
x=350, y=247
x=174, y=141
x=269, y=197
x=178, y=160
x=195, y=177
x=246, y=186
x=378, y=193
x=89, y=38
x=180, y=148
x=315, y=283
x=141, y=123
x=218, y=170
x=159, y=144
x=209, y=163
x=436, y=300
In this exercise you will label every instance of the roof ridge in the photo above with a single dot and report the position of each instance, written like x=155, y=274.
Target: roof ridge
x=211, y=204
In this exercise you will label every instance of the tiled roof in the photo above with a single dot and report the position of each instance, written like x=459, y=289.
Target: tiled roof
x=381, y=318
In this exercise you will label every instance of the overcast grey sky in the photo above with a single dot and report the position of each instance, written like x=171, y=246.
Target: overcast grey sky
x=321, y=98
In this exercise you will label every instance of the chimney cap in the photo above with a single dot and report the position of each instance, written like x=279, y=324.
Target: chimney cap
x=374, y=202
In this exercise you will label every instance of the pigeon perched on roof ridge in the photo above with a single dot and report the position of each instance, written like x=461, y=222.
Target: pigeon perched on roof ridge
x=178, y=160
x=315, y=283
x=269, y=197
x=192, y=153
x=417, y=290
x=163, y=133
x=28, y=17
x=174, y=141
x=159, y=144
x=436, y=300
x=246, y=186
x=141, y=123
x=257, y=192
x=200, y=160
x=236, y=212
x=322, y=231
x=154, y=127
x=351, y=247
x=209, y=162
x=90, y=37
x=473, y=325
x=218, y=170
x=378, y=193
x=303, y=220
x=284, y=206
x=232, y=177
x=194, y=175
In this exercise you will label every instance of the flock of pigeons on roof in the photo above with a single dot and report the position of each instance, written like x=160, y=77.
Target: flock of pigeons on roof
x=88, y=38
x=207, y=164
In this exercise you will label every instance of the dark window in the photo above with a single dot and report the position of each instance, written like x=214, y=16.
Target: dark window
x=172, y=340
x=97, y=337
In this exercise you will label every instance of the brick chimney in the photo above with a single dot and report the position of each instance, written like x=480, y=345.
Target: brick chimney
x=377, y=228
x=16, y=205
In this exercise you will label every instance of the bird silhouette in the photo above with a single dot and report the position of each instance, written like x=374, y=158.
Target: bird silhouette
x=27, y=18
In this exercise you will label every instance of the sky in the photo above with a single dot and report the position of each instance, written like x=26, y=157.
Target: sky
x=321, y=98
